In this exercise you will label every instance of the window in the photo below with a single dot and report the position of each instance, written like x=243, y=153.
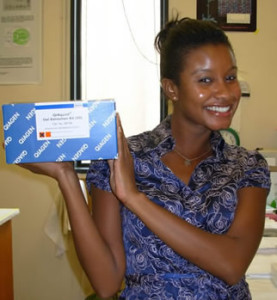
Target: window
x=113, y=56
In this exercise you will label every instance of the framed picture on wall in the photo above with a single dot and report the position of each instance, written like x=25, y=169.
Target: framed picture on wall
x=231, y=15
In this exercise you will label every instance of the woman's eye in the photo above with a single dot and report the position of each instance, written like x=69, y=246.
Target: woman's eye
x=231, y=77
x=205, y=80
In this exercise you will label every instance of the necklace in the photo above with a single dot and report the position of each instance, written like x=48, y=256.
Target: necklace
x=189, y=160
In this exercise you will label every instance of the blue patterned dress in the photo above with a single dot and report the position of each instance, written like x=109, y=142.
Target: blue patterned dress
x=154, y=270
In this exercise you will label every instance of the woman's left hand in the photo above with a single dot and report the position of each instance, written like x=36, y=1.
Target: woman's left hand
x=122, y=178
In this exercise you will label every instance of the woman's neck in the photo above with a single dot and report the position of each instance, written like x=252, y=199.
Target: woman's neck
x=190, y=140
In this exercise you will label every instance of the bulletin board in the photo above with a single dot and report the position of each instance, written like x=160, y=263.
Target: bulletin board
x=20, y=43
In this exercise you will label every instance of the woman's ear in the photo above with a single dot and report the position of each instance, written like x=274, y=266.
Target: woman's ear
x=170, y=89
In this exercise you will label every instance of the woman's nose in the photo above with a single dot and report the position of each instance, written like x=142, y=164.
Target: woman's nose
x=222, y=89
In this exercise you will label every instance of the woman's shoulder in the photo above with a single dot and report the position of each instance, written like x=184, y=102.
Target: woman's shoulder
x=246, y=155
x=235, y=154
x=252, y=166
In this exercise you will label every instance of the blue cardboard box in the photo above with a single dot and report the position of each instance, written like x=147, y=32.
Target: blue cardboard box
x=60, y=131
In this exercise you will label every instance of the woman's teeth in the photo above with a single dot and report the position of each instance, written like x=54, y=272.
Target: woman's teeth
x=221, y=109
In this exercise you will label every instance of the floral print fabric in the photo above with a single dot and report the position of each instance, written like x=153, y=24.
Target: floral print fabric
x=155, y=271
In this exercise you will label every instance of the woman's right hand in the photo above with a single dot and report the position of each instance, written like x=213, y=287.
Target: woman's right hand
x=51, y=169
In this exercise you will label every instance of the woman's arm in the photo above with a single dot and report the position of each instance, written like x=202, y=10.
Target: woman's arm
x=98, y=240
x=98, y=243
x=226, y=256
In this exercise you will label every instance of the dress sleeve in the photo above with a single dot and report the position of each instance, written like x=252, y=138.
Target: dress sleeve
x=99, y=175
x=256, y=172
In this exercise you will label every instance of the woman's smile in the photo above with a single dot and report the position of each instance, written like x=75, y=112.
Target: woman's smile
x=219, y=109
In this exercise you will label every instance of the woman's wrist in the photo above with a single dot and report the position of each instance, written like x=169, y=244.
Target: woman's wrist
x=66, y=170
x=135, y=200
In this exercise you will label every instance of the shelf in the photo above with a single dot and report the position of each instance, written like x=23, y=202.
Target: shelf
x=7, y=214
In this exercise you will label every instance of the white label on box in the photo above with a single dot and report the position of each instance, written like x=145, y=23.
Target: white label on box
x=62, y=120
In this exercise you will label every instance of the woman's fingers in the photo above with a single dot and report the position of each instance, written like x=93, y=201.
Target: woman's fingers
x=51, y=169
x=122, y=177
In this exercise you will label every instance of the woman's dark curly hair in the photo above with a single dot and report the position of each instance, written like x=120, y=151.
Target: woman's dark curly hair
x=179, y=37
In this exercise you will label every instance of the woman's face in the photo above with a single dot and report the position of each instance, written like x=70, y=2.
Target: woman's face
x=208, y=93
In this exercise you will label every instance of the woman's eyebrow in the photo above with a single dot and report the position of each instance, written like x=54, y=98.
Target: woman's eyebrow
x=233, y=68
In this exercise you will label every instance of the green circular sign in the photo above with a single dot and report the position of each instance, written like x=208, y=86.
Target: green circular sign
x=21, y=36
